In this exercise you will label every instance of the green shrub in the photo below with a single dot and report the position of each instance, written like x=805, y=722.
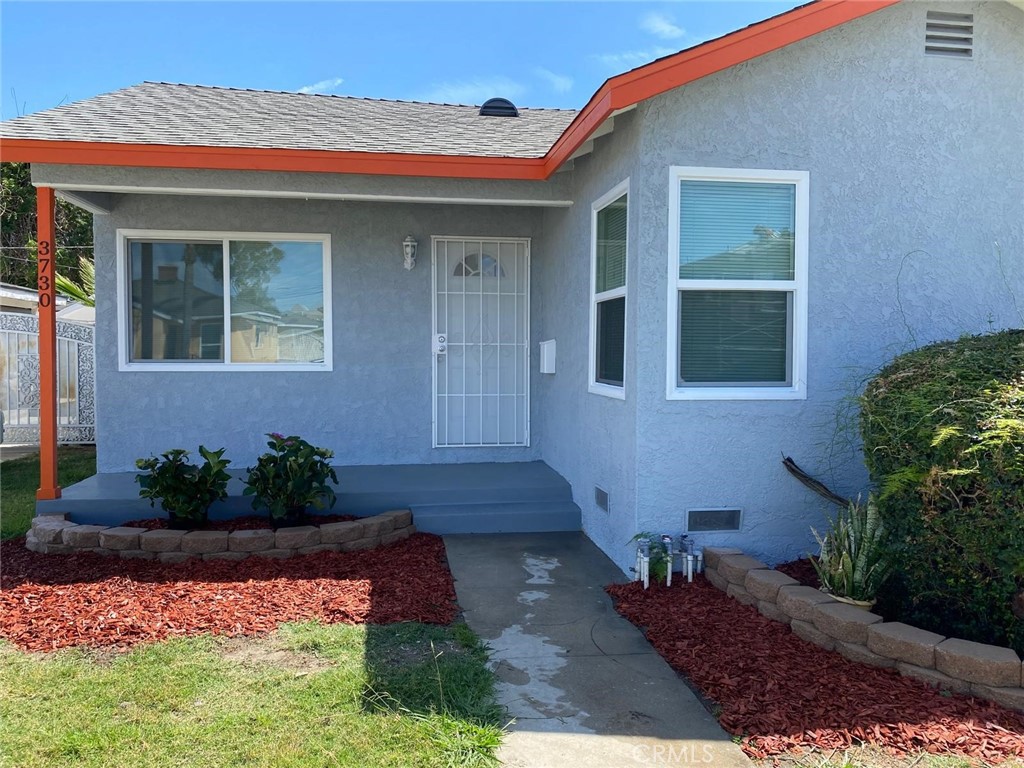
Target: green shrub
x=943, y=430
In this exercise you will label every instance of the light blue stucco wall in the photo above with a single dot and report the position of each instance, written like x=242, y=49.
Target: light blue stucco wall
x=916, y=169
x=373, y=408
x=590, y=438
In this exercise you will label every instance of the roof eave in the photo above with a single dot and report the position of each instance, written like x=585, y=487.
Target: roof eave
x=260, y=159
x=617, y=93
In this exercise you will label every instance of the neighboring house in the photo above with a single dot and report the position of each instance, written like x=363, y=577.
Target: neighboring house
x=20, y=300
x=723, y=244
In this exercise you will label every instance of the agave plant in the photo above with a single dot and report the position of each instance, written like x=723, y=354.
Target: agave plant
x=84, y=291
x=854, y=560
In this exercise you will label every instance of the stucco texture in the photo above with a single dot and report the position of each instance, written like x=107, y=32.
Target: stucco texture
x=916, y=168
x=373, y=408
x=916, y=174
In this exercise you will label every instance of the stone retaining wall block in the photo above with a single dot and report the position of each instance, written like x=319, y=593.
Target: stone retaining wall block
x=173, y=557
x=713, y=554
x=120, y=538
x=136, y=554
x=740, y=595
x=402, y=517
x=772, y=611
x=736, y=567
x=82, y=536
x=904, y=643
x=204, y=542
x=863, y=655
x=807, y=631
x=764, y=585
x=978, y=663
x=933, y=677
x=1011, y=698
x=719, y=581
x=251, y=541
x=158, y=540
x=300, y=536
x=336, y=533
x=395, y=536
x=799, y=602
x=844, y=622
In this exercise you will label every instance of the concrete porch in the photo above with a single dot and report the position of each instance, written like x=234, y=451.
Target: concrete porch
x=495, y=497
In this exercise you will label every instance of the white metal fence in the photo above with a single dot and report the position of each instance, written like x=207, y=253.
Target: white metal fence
x=19, y=380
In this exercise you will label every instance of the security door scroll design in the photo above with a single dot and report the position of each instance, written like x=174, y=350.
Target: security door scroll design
x=480, y=342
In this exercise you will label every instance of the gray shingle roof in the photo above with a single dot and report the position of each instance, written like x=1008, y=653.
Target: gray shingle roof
x=184, y=115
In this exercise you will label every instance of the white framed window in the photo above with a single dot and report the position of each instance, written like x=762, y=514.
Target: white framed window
x=608, y=261
x=214, y=301
x=737, y=284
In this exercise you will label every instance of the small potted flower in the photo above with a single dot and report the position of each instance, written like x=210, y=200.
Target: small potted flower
x=185, y=490
x=290, y=478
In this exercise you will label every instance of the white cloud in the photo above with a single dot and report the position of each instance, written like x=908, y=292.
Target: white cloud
x=629, y=59
x=475, y=91
x=660, y=25
x=558, y=83
x=324, y=86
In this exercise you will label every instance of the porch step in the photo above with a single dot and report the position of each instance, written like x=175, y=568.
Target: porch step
x=445, y=498
x=498, y=517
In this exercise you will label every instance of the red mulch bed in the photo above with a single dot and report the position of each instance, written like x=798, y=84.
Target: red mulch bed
x=801, y=570
x=246, y=523
x=782, y=694
x=56, y=601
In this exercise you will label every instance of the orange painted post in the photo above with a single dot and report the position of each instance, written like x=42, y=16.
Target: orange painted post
x=48, y=487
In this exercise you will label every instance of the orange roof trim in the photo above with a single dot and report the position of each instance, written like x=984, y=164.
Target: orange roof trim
x=617, y=93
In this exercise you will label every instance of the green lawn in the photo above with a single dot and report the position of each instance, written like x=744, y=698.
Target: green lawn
x=19, y=479
x=310, y=695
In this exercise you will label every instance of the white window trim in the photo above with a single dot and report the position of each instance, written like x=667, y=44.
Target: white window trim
x=593, y=385
x=124, y=331
x=798, y=389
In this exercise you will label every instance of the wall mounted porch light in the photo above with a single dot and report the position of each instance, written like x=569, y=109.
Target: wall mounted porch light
x=409, y=251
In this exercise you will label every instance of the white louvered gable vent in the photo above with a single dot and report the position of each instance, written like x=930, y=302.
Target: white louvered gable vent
x=949, y=34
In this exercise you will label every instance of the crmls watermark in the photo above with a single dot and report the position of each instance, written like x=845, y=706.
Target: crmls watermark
x=672, y=754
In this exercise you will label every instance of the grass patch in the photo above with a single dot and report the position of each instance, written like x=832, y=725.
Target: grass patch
x=19, y=480
x=309, y=695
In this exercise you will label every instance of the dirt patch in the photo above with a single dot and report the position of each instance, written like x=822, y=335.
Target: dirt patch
x=268, y=651
x=780, y=694
x=57, y=601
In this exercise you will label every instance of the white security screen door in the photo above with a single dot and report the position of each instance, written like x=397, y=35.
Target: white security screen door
x=481, y=345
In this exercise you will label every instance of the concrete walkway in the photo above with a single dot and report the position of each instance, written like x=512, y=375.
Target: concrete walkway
x=583, y=684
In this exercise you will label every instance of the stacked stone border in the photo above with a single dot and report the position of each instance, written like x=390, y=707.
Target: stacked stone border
x=947, y=663
x=55, y=534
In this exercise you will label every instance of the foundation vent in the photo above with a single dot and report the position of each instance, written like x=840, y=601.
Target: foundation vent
x=601, y=497
x=949, y=34
x=707, y=520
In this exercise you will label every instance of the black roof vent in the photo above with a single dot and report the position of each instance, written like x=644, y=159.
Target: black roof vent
x=499, y=108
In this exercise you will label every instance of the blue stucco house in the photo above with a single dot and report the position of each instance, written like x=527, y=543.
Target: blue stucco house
x=617, y=319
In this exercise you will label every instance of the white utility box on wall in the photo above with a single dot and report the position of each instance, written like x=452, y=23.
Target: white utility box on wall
x=547, y=356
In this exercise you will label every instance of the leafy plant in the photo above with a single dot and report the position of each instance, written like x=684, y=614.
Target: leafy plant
x=658, y=550
x=291, y=477
x=943, y=431
x=185, y=490
x=84, y=291
x=854, y=561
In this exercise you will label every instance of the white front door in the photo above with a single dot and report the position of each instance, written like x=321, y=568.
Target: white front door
x=481, y=345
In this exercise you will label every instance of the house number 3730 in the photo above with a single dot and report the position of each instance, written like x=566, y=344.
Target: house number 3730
x=45, y=273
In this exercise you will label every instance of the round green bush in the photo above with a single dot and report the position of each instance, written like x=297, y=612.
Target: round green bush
x=943, y=432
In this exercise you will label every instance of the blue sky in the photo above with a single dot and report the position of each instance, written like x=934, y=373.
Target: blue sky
x=550, y=54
